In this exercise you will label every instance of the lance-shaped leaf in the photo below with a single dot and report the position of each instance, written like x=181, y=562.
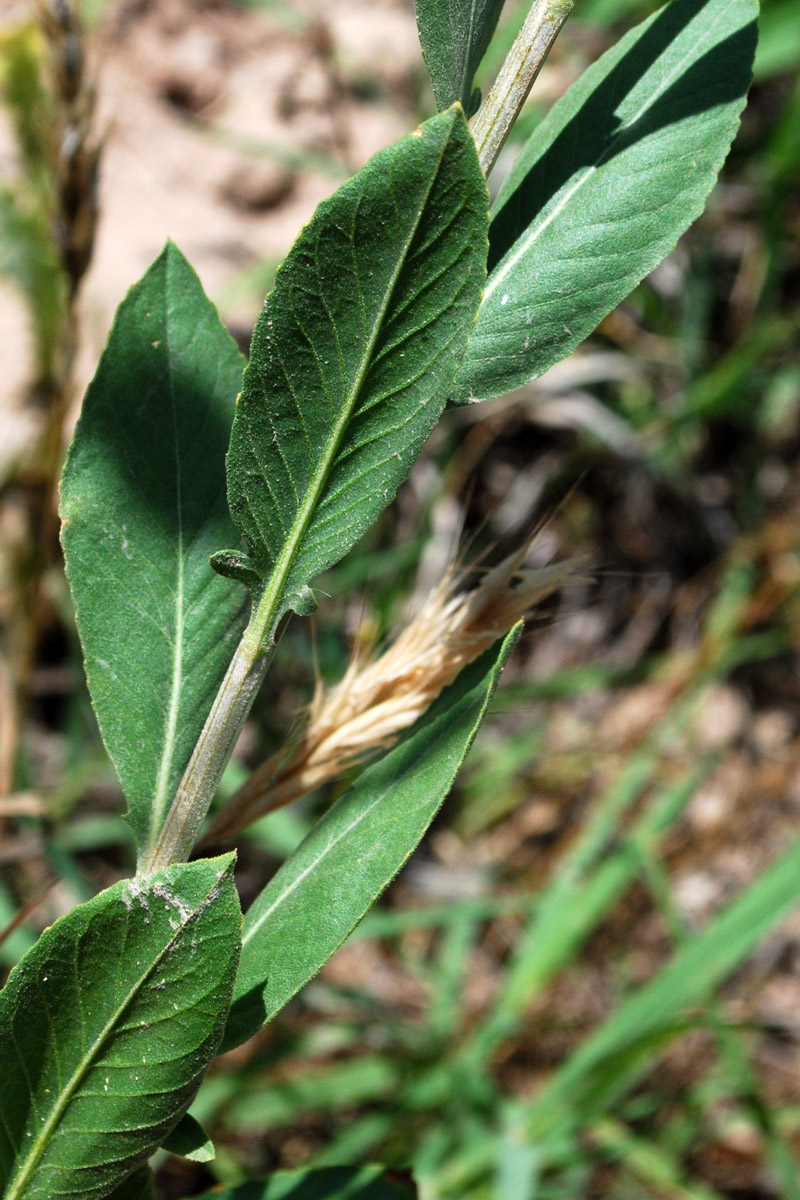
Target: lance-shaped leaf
x=318, y=896
x=143, y=503
x=608, y=182
x=331, y=1183
x=107, y=1026
x=454, y=35
x=352, y=359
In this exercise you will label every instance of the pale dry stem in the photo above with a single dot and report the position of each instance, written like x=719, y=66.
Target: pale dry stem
x=517, y=75
x=76, y=146
x=379, y=698
x=22, y=804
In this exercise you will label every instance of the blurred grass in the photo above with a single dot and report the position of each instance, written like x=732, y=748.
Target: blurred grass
x=28, y=255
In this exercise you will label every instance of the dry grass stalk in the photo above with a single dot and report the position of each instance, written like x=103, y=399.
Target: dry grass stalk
x=8, y=728
x=380, y=697
x=69, y=150
x=23, y=913
x=75, y=150
x=22, y=804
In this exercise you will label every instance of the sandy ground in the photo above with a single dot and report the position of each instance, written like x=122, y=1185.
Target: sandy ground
x=224, y=127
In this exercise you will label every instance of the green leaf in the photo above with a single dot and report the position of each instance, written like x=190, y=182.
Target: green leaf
x=107, y=1026
x=333, y=1183
x=454, y=35
x=608, y=182
x=143, y=503
x=189, y=1140
x=352, y=358
x=138, y=1186
x=317, y=897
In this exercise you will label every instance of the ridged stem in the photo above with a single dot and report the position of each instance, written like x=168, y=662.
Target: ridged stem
x=214, y=747
x=502, y=106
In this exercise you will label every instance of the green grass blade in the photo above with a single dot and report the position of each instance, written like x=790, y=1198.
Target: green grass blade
x=618, y=169
x=269, y=1103
x=572, y=908
x=647, y=1162
x=448, y=979
x=390, y=923
x=107, y=1026
x=742, y=1081
x=517, y=1171
x=356, y=1141
x=611, y=1059
x=779, y=1150
x=143, y=504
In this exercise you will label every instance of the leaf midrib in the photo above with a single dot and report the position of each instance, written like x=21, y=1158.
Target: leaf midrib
x=40, y=1142
x=170, y=733
x=535, y=232
x=266, y=611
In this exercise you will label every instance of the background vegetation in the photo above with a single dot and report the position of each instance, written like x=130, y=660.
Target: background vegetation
x=587, y=981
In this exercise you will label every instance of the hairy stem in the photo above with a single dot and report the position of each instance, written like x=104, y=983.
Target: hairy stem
x=501, y=107
x=214, y=747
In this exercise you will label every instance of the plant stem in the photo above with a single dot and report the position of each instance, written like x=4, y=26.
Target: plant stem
x=249, y=664
x=214, y=747
x=501, y=107
x=223, y=725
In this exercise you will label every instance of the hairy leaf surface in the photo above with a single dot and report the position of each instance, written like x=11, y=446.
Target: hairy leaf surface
x=107, y=1026
x=454, y=35
x=143, y=503
x=331, y=1183
x=321, y=892
x=608, y=182
x=352, y=359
